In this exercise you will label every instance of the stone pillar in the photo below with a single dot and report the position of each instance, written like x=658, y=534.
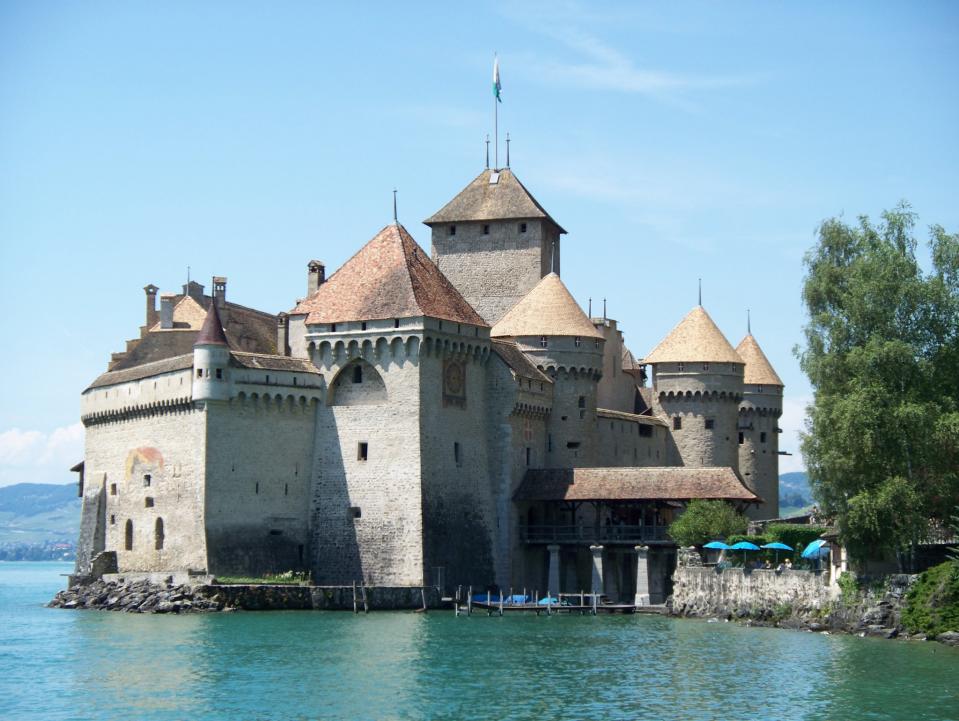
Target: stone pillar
x=553, y=577
x=597, y=585
x=642, y=576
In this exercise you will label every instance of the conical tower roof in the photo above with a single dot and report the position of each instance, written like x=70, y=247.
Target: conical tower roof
x=212, y=331
x=390, y=277
x=696, y=339
x=758, y=371
x=493, y=195
x=548, y=309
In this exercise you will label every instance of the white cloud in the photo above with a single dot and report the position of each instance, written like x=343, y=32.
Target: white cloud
x=792, y=422
x=31, y=456
x=599, y=65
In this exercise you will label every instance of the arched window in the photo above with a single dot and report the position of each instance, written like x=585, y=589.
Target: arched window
x=158, y=535
x=128, y=536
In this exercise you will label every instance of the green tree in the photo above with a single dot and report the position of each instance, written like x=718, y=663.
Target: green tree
x=704, y=521
x=882, y=354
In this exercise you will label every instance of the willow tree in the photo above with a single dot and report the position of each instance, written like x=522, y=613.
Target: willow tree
x=882, y=353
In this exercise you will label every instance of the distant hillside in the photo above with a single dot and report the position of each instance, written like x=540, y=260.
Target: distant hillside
x=39, y=512
x=794, y=492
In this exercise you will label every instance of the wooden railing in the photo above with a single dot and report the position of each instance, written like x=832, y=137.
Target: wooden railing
x=542, y=533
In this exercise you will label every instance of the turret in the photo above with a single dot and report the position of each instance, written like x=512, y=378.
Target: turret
x=211, y=360
x=697, y=387
x=759, y=414
x=554, y=332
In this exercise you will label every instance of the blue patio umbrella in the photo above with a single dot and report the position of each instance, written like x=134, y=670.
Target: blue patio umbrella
x=816, y=550
x=777, y=547
x=716, y=546
x=744, y=546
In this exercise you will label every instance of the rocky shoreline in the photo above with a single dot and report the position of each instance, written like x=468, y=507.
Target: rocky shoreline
x=139, y=597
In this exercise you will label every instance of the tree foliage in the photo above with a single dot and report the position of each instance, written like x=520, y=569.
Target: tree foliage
x=882, y=354
x=704, y=521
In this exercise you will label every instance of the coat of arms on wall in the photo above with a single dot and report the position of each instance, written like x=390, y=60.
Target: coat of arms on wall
x=454, y=383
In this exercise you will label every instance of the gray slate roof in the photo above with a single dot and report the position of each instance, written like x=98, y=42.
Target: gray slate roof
x=505, y=199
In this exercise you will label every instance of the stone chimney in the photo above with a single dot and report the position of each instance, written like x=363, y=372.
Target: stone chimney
x=151, y=316
x=219, y=291
x=282, y=334
x=315, y=277
x=194, y=290
x=166, y=310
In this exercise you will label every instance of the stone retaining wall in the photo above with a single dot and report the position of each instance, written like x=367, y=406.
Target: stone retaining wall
x=710, y=591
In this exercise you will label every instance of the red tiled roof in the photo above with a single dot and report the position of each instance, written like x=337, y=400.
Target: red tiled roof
x=632, y=484
x=390, y=277
x=212, y=331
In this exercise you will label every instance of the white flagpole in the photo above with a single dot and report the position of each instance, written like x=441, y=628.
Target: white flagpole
x=495, y=114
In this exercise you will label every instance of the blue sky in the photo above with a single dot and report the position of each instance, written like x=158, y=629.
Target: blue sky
x=672, y=141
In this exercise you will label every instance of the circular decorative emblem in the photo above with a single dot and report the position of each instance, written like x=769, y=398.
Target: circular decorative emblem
x=454, y=379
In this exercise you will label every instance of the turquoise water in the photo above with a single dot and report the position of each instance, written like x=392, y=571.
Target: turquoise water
x=57, y=664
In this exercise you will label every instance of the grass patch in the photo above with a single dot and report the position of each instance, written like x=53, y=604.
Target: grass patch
x=288, y=578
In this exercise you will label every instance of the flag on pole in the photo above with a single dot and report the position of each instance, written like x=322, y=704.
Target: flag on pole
x=496, y=83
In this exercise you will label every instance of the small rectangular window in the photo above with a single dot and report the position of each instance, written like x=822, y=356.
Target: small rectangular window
x=677, y=423
x=333, y=327
x=741, y=438
x=529, y=455
x=710, y=424
x=457, y=457
x=549, y=443
x=452, y=230
x=543, y=341
x=357, y=374
x=256, y=488
x=573, y=444
x=577, y=341
x=362, y=451
x=759, y=389
x=199, y=372
x=268, y=380
x=148, y=502
x=705, y=366
x=286, y=489
x=113, y=520
x=363, y=325
x=355, y=512
x=680, y=367
x=147, y=480
x=486, y=229
x=646, y=431
x=219, y=374
x=396, y=322
x=113, y=489
x=582, y=401
x=762, y=436
x=522, y=227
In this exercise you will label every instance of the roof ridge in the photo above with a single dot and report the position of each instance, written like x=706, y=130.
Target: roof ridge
x=696, y=338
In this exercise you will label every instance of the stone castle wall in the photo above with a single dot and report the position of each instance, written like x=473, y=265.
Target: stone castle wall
x=366, y=517
x=494, y=271
x=622, y=445
x=151, y=469
x=258, y=482
x=700, y=394
x=759, y=415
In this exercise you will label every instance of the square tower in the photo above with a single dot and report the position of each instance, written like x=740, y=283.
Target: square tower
x=495, y=242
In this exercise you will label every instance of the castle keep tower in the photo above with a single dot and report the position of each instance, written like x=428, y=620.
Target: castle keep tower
x=697, y=388
x=554, y=332
x=759, y=414
x=401, y=491
x=494, y=242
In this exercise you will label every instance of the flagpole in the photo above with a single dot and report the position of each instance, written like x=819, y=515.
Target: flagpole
x=496, y=132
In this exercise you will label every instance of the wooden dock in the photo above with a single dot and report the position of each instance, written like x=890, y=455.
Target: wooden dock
x=585, y=604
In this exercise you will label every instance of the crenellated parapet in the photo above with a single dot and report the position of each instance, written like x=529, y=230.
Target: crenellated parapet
x=138, y=411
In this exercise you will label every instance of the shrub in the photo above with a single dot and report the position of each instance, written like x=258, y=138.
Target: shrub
x=704, y=521
x=849, y=587
x=932, y=604
x=796, y=535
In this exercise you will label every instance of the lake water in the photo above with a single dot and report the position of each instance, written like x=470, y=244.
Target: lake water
x=57, y=664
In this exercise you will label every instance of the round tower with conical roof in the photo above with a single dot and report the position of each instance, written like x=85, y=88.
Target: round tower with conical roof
x=554, y=332
x=211, y=360
x=759, y=413
x=697, y=388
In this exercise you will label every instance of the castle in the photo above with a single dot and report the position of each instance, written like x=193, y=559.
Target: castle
x=443, y=419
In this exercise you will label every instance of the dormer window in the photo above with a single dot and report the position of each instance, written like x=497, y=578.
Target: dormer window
x=543, y=341
x=452, y=230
